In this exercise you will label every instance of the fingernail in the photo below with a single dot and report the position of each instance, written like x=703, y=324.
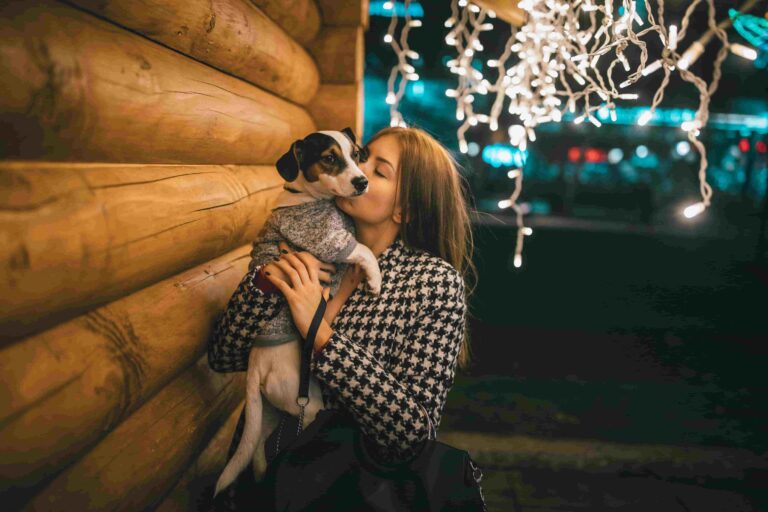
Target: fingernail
x=267, y=273
x=283, y=251
x=277, y=258
x=330, y=296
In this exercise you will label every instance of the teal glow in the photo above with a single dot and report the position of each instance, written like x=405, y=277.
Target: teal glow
x=675, y=116
x=500, y=155
x=376, y=8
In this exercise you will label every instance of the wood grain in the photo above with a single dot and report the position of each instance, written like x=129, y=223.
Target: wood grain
x=84, y=89
x=340, y=54
x=75, y=236
x=231, y=35
x=299, y=18
x=64, y=389
x=137, y=463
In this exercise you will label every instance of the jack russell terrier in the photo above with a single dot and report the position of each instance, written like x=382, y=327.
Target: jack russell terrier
x=318, y=168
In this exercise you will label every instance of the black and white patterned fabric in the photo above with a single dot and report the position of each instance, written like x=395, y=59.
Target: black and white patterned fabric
x=389, y=355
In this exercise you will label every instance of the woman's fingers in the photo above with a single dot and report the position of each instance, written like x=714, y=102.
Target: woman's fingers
x=324, y=276
x=290, y=271
x=299, y=266
x=281, y=285
x=310, y=265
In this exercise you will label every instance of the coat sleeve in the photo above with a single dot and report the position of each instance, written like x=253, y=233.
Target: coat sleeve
x=247, y=311
x=386, y=401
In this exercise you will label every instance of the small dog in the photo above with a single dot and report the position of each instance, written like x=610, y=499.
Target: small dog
x=316, y=169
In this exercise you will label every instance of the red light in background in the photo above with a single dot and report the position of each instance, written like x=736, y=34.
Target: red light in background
x=595, y=156
x=744, y=145
x=574, y=154
x=760, y=146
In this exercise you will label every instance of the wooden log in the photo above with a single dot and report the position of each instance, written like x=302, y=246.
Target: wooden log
x=338, y=105
x=137, y=463
x=231, y=35
x=194, y=491
x=347, y=13
x=299, y=18
x=76, y=236
x=506, y=10
x=64, y=389
x=86, y=90
x=340, y=54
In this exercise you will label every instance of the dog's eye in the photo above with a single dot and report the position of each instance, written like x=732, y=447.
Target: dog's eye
x=329, y=158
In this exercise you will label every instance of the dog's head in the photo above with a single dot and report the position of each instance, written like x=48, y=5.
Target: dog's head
x=327, y=163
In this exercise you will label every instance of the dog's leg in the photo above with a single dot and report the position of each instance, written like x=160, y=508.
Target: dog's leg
x=281, y=384
x=269, y=420
x=252, y=428
x=363, y=256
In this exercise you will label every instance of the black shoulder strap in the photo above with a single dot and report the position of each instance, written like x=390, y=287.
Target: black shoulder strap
x=306, y=355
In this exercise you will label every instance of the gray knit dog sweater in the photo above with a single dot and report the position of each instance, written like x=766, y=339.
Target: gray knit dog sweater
x=318, y=227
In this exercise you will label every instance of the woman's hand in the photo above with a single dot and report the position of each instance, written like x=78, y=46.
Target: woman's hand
x=324, y=270
x=302, y=289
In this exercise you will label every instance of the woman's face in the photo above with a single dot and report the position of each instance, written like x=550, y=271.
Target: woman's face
x=381, y=202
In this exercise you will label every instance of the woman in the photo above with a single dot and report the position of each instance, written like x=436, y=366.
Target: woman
x=386, y=359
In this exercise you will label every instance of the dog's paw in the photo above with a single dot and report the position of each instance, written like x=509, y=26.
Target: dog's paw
x=374, y=283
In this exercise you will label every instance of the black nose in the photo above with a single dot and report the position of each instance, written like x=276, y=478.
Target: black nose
x=360, y=183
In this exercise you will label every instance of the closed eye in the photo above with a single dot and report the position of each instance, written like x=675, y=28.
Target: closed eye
x=379, y=173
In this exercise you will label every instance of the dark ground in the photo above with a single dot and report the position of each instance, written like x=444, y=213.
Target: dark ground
x=639, y=344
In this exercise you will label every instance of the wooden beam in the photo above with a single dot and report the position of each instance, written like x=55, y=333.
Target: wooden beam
x=76, y=236
x=340, y=54
x=137, y=463
x=66, y=388
x=194, y=490
x=339, y=105
x=347, y=13
x=85, y=90
x=506, y=10
x=299, y=18
x=231, y=35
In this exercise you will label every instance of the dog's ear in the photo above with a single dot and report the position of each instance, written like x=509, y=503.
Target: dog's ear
x=289, y=164
x=349, y=133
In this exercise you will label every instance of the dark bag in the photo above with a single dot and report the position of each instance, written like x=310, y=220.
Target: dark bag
x=331, y=465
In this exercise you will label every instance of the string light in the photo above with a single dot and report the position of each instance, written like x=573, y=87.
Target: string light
x=563, y=59
x=403, y=68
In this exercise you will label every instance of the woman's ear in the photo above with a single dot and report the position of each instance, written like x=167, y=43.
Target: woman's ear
x=290, y=163
x=397, y=215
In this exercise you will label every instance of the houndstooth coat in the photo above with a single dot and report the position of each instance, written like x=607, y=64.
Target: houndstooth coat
x=387, y=354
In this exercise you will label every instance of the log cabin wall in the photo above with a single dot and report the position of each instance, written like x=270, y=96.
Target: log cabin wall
x=137, y=150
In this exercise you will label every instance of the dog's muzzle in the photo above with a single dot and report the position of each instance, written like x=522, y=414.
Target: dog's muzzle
x=360, y=183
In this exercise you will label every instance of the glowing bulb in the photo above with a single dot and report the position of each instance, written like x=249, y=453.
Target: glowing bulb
x=518, y=261
x=672, y=37
x=505, y=203
x=390, y=99
x=388, y=38
x=644, y=118
x=693, y=210
x=514, y=173
x=527, y=231
x=650, y=68
x=744, y=51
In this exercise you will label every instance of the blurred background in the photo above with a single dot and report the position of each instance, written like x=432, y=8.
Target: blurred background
x=628, y=325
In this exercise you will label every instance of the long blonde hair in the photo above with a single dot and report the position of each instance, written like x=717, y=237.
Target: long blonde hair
x=434, y=204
